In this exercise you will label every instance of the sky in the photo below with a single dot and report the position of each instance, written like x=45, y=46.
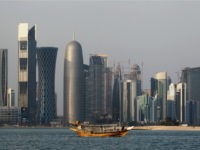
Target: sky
x=164, y=35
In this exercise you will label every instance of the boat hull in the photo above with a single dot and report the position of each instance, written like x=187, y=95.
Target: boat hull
x=83, y=133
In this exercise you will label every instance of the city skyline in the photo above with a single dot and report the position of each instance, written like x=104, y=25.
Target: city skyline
x=162, y=35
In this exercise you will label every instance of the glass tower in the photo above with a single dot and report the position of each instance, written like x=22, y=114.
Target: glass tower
x=46, y=57
x=96, y=88
x=117, y=95
x=3, y=76
x=27, y=73
x=159, y=91
x=191, y=76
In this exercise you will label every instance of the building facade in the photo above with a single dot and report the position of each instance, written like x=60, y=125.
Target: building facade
x=86, y=92
x=128, y=101
x=142, y=109
x=171, y=100
x=96, y=88
x=3, y=76
x=27, y=72
x=181, y=102
x=108, y=76
x=117, y=95
x=73, y=83
x=159, y=91
x=11, y=98
x=9, y=115
x=135, y=74
x=46, y=57
x=190, y=76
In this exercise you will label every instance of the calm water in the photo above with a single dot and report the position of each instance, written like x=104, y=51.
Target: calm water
x=65, y=139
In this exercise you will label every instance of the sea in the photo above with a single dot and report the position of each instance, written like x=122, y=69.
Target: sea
x=65, y=139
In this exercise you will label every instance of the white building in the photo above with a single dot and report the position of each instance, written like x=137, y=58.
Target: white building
x=128, y=100
x=181, y=102
x=11, y=98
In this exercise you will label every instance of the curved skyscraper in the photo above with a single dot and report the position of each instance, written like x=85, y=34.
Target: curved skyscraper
x=46, y=57
x=3, y=76
x=73, y=83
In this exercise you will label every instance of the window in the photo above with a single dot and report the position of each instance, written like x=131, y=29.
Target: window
x=23, y=64
x=23, y=45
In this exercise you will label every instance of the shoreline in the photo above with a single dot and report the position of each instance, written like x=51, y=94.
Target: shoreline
x=161, y=128
x=168, y=128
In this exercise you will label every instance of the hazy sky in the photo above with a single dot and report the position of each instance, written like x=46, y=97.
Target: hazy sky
x=164, y=34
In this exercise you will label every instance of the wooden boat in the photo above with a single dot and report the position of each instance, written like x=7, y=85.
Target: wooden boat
x=100, y=130
x=101, y=134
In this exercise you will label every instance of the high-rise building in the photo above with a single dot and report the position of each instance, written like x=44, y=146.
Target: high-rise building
x=117, y=95
x=27, y=72
x=107, y=79
x=171, y=96
x=3, y=76
x=96, y=88
x=11, y=98
x=190, y=76
x=108, y=88
x=159, y=90
x=86, y=93
x=128, y=100
x=152, y=109
x=181, y=102
x=46, y=57
x=73, y=83
x=135, y=74
x=126, y=88
x=142, y=108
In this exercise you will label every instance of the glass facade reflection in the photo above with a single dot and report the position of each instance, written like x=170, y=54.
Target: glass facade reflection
x=46, y=57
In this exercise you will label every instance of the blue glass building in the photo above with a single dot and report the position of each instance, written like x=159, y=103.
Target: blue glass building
x=46, y=57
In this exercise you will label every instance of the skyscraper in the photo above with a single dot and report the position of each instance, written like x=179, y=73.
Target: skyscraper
x=135, y=74
x=190, y=76
x=181, y=102
x=128, y=101
x=96, y=91
x=85, y=85
x=117, y=95
x=3, y=76
x=107, y=83
x=143, y=108
x=159, y=91
x=46, y=57
x=27, y=73
x=73, y=83
x=171, y=95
